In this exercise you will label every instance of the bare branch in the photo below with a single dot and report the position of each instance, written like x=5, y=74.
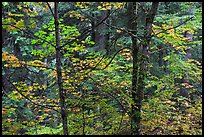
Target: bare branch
x=86, y=31
x=121, y=29
x=50, y=9
x=174, y=26
x=29, y=33
x=46, y=106
x=114, y=97
x=95, y=65
x=159, y=50
x=94, y=68
x=114, y=56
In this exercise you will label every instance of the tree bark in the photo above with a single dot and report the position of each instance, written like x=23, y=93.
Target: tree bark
x=59, y=73
x=143, y=57
x=161, y=55
x=184, y=91
x=133, y=26
x=101, y=37
x=140, y=55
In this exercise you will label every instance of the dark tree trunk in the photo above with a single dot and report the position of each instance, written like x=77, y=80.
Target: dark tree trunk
x=161, y=55
x=140, y=55
x=59, y=73
x=93, y=29
x=166, y=63
x=183, y=91
x=101, y=37
x=20, y=73
x=133, y=26
x=189, y=36
x=6, y=86
x=143, y=57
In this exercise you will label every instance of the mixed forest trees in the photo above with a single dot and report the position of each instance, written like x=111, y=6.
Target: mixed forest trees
x=80, y=68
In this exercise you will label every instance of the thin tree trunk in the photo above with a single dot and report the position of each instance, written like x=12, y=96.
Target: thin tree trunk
x=189, y=36
x=101, y=38
x=83, y=110
x=161, y=55
x=93, y=29
x=184, y=91
x=59, y=73
x=133, y=26
x=166, y=63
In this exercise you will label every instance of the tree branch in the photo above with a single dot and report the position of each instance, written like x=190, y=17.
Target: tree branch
x=150, y=19
x=50, y=9
x=29, y=33
x=115, y=55
x=86, y=31
x=159, y=50
x=109, y=61
x=114, y=97
x=121, y=29
x=174, y=26
x=46, y=106
x=95, y=65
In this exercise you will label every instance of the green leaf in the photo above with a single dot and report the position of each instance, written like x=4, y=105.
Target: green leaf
x=20, y=24
x=34, y=41
x=166, y=58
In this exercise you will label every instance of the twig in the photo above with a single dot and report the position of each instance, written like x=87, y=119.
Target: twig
x=114, y=56
x=174, y=26
x=159, y=50
x=109, y=61
x=95, y=65
x=119, y=127
x=46, y=106
x=97, y=83
x=86, y=31
x=50, y=9
x=121, y=29
x=29, y=33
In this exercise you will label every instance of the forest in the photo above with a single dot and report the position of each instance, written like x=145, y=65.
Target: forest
x=101, y=68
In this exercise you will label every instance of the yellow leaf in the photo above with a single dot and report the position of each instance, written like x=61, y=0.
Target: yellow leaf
x=8, y=19
x=18, y=6
x=20, y=23
x=99, y=7
x=40, y=68
x=47, y=110
x=9, y=13
x=3, y=110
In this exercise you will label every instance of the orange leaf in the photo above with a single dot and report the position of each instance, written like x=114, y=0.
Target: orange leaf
x=26, y=10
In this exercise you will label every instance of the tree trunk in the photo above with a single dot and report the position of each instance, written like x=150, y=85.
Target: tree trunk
x=166, y=63
x=184, y=91
x=143, y=58
x=59, y=73
x=133, y=26
x=93, y=29
x=189, y=36
x=161, y=55
x=101, y=37
x=140, y=55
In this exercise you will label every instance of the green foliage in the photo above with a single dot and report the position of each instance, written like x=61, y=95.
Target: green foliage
x=98, y=99
x=45, y=130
